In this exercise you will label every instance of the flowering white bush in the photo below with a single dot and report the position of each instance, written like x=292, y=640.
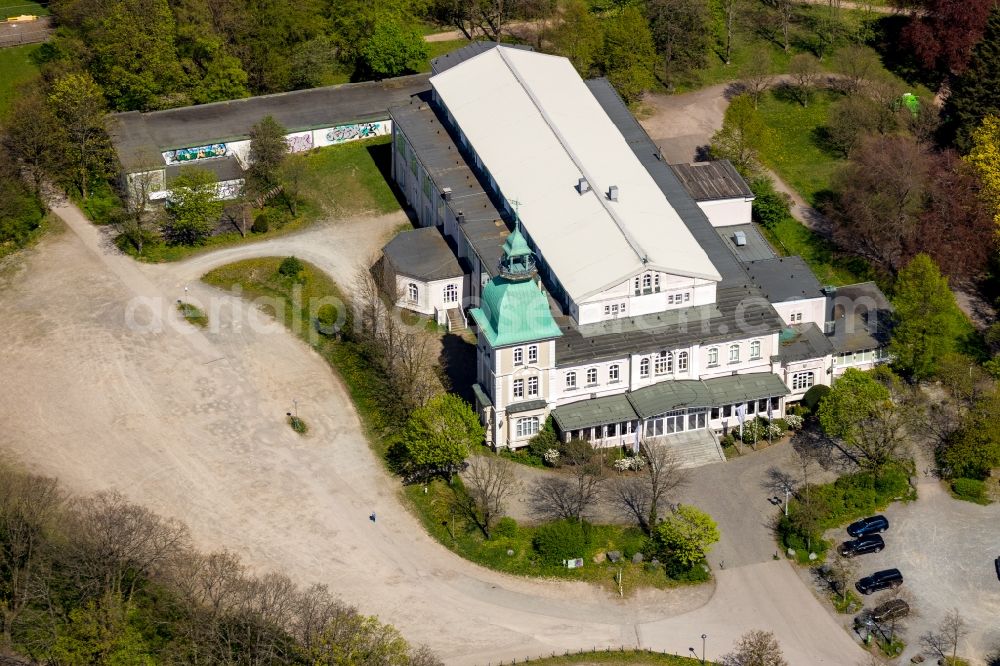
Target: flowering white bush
x=635, y=463
x=753, y=431
x=794, y=421
x=551, y=456
x=774, y=430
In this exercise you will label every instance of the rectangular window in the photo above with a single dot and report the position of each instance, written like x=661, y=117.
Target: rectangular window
x=727, y=411
x=613, y=373
x=715, y=413
x=607, y=309
x=612, y=430
x=682, y=362
x=532, y=387
x=734, y=353
x=762, y=406
x=533, y=354
x=518, y=356
x=802, y=380
x=713, y=357
x=670, y=299
x=518, y=389
x=644, y=367
x=687, y=296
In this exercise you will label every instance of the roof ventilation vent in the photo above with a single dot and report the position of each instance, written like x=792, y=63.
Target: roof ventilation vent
x=582, y=186
x=446, y=194
x=740, y=238
x=613, y=193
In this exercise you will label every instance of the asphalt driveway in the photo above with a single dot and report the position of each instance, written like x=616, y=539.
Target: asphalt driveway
x=945, y=550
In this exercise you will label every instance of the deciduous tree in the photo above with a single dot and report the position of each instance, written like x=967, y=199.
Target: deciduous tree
x=860, y=412
x=578, y=36
x=756, y=74
x=78, y=104
x=628, y=53
x=805, y=72
x=679, y=29
x=440, y=436
x=685, y=536
x=392, y=49
x=743, y=136
x=268, y=150
x=489, y=483
x=984, y=157
x=639, y=497
x=973, y=93
x=927, y=319
x=942, y=33
x=756, y=648
x=193, y=208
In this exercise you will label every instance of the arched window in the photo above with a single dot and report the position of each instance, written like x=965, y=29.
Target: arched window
x=533, y=354
x=613, y=373
x=591, y=376
x=451, y=293
x=412, y=293
x=644, y=367
x=755, y=349
x=647, y=281
x=713, y=356
x=682, y=361
x=734, y=353
x=526, y=427
x=571, y=380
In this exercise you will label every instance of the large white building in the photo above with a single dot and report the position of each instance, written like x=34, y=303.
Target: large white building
x=617, y=302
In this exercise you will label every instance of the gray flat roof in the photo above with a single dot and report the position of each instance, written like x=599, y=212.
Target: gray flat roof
x=422, y=254
x=526, y=406
x=756, y=249
x=785, y=279
x=809, y=342
x=484, y=227
x=669, y=395
x=708, y=181
x=862, y=318
x=448, y=60
x=139, y=137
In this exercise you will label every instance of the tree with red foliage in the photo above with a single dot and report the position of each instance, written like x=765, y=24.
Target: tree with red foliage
x=897, y=199
x=943, y=32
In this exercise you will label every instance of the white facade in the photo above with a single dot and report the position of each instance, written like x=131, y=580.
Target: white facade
x=430, y=298
x=803, y=311
x=727, y=212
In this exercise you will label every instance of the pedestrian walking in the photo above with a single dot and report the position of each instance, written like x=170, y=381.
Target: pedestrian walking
x=372, y=517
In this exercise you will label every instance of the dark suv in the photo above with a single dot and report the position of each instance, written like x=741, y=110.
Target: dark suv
x=890, y=610
x=880, y=580
x=867, y=544
x=870, y=525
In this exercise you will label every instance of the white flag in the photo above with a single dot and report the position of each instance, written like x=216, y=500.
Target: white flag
x=741, y=412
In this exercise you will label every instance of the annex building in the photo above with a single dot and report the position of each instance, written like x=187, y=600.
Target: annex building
x=625, y=297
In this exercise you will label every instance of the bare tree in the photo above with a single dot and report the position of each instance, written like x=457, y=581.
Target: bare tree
x=556, y=497
x=755, y=648
x=489, y=482
x=116, y=543
x=730, y=9
x=785, y=10
x=640, y=496
x=805, y=72
x=756, y=75
x=137, y=219
x=486, y=17
x=856, y=66
x=29, y=506
x=945, y=640
x=841, y=572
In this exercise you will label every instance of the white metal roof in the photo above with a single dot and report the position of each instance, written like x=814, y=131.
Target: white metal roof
x=538, y=130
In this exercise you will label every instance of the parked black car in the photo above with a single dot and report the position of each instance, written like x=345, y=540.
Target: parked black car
x=872, y=543
x=890, y=610
x=880, y=580
x=996, y=563
x=869, y=525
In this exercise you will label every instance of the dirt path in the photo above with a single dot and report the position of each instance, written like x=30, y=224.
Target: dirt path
x=191, y=424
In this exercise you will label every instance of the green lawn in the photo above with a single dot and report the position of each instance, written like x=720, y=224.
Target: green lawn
x=18, y=7
x=790, y=237
x=16, y=68
x=795, y=151
x=617, y=658
x=435, y=49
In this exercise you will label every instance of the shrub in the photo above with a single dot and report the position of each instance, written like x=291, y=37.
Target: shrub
x=290, y=267
x=971, y=490
x=261, y=223
x=506, y=527
x=813, y=396
x=545, y=439
x=696, y=573
x=551, y=457
x=632, y=542
x=754, y=431
x=298, y=425
x=769, y=206
x=561, y=540
x=793, y=421
x=326, y=319
x=577, y=451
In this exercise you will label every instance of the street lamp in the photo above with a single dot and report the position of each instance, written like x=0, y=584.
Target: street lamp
x=703, y=637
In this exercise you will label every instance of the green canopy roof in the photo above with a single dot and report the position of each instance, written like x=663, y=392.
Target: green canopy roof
x=514, y=311
x=595, y=412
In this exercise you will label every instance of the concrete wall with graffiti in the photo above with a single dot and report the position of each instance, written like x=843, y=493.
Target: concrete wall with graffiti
x=331, y=136
x=184, y=155
x=224, y=189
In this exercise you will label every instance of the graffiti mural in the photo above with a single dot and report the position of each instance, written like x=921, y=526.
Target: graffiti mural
x=351, y=132
x=299, y=142
x=197, y=153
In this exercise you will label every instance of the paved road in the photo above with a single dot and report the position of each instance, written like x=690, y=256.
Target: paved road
x=191, y=423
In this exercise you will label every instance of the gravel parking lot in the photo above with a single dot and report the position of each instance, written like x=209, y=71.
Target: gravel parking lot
x=945, y=550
